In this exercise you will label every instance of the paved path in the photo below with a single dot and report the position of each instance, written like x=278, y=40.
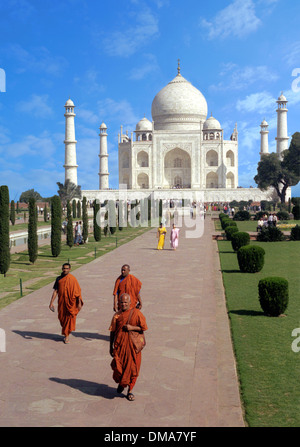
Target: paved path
x=188, y=376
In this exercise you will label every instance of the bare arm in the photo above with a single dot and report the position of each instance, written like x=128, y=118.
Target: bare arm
x=115, y=303
x=54, y=294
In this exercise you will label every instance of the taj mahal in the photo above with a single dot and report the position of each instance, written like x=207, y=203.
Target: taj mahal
x=181, y=150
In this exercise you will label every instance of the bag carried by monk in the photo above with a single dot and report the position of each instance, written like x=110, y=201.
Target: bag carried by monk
x=138, y=338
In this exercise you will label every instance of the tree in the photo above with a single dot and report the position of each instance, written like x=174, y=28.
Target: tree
x=85, y=220
x=74, y=209
x=45, y=213
x=4, y=230
x=68, y=191
x=78, y=209
x=97, y=227
x=55, y=226
x=70, y=238
x=30, y=193
x=271, y=171
x=12, y=215
x=32, y=242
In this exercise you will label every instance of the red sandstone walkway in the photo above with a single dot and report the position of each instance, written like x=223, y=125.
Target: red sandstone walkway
x=188, y=376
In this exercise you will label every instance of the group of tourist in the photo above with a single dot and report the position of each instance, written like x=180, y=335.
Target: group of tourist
x=267, y=221
x=126, y=321
x=174, y=237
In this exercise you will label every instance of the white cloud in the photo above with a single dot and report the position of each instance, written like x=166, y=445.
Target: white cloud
x=140, y=72
x=237, y=78
x=237, y=19
x=36, y=59
x=119, y=112
x=126, y=42
x=36, y=105
x=261, y=103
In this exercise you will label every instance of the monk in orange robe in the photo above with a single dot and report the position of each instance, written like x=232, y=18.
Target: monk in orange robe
x=126, y=362
x=127, y=283
x=70, y=301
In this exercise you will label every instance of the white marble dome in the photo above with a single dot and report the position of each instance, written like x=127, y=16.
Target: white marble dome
x=69, y=103
x=212, y=124
x=144, y=125
x=178, y=104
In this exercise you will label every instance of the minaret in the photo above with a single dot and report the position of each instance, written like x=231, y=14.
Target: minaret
x=264, y=143
x=103, y=166
x=282, y=134
x=70, y=144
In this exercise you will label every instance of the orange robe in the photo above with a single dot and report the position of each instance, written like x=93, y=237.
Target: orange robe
x=131, y=285
x=69, y=294
x=126, y=362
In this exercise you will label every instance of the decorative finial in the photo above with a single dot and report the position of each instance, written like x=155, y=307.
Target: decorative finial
x=178, y=67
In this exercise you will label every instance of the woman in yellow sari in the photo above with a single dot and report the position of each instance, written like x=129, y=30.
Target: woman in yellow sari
x=161, y=232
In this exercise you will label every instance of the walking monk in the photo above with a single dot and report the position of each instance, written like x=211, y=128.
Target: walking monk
x=70, y=301
x=126, y=362
x=127, y=283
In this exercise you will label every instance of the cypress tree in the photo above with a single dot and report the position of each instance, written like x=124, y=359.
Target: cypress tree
x=74, y=208
x=78, y=209
x=4, y=230
x=97, y=227
x=12, y=212
x=112, y=216
x=32, y=242
x=55, y=226
x=85, y=220
x=70, y=238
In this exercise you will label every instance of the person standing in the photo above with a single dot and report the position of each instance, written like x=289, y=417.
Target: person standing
x=67, y=288
x=127, y=283
x=174, y=237
x=126, y=362
x=161, y=232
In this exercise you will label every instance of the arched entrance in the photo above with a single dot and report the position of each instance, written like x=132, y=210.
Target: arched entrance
x=177, y=169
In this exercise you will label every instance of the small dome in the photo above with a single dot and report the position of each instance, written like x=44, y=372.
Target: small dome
x=264, y=123
x=144, y=125
x=282, y=97
x=103, y=126
x=212, y=124
x=69, y=103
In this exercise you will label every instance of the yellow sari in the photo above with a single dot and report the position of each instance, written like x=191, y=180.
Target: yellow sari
x=161, y=241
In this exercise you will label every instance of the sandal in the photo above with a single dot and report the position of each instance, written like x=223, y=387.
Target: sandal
x=130, y=397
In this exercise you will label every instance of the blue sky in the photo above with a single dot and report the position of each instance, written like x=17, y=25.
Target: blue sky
x=112, y=58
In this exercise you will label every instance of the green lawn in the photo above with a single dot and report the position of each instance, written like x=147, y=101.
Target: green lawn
x=47, y=268
x=268, y=368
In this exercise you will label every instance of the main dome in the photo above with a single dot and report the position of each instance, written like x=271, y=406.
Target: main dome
x=178, y=105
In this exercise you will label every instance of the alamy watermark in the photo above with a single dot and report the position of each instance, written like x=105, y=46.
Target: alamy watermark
x=296, y=82
x=2, y=340
x=296, y=343
x=152, y=210
x=2, y=80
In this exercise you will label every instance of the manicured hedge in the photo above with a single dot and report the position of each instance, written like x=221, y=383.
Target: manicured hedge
x=295, y=233
x=273, y=295
x=230, y=231
x=251, y=258
x=239, y=239
x=270, y=234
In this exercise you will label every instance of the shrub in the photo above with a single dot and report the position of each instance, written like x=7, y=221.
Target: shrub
x=273, y=295
x=283, y=215
x=251, y=258
x=97, y=228
x=70, y=237
x=225, y=220
x=4, y=230
x=85, y=221
x=242, y=215
x=229, y=231
x=295, y=233
x=270, y=234
x=55, y=226
x=32, y=241
x=296, y=212
x=239, y=239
